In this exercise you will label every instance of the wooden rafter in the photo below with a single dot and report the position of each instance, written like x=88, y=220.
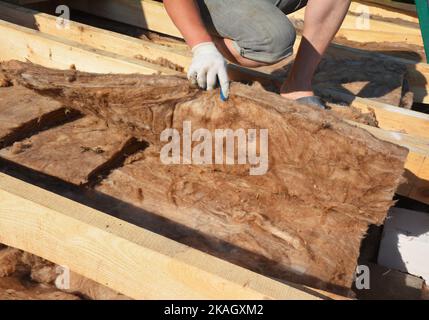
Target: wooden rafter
x=377, y=30
x=383, y=11
x=29, y=45
x=124, y=257
x=389, y=117
x=406, y=7
x=91, y=36
x=145, y=14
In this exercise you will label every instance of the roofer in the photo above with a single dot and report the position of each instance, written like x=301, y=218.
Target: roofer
x=255, y=33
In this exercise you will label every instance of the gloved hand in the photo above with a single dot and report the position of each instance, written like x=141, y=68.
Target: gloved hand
x=207, y=65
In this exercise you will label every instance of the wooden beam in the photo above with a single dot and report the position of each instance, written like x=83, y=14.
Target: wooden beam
x=417, y=165
x=380, y=11
x=415, y=145
x=126, y=258
x=378, y=24
x=95, y=37
x=417, y=174
x=144, y=14
x=379, y=30
x=407, y=7
x=389, y=117
x=29, y=45
x=365, y=36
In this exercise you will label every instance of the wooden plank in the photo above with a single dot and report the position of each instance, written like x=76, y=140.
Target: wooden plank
x=389, y=117
x=416, y=173
x=387, y=23
x=126, y=258
x=379, y=30
x=75, y=152
x=29, y=45
x=380, y=11
x=98, y=38
x=144, y=14
x=407, y=7
x=377, y=36
x=414, y=144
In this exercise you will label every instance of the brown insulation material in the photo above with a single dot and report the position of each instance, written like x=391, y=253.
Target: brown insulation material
x=74, y=152
x=303, y=220
x=23, y=112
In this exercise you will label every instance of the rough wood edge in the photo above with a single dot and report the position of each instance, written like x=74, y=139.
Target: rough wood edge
x=389, y=117
x=384, y=28
x=30, y=45
x=417, y=165
x=121, y=256
x=95, y=37
x=385, y=11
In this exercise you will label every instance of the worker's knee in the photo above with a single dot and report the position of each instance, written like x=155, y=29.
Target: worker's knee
x=269, y=42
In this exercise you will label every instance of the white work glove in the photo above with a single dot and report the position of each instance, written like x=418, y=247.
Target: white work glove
x=207, y=66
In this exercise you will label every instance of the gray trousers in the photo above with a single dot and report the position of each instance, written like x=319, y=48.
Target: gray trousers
x=260, y=29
